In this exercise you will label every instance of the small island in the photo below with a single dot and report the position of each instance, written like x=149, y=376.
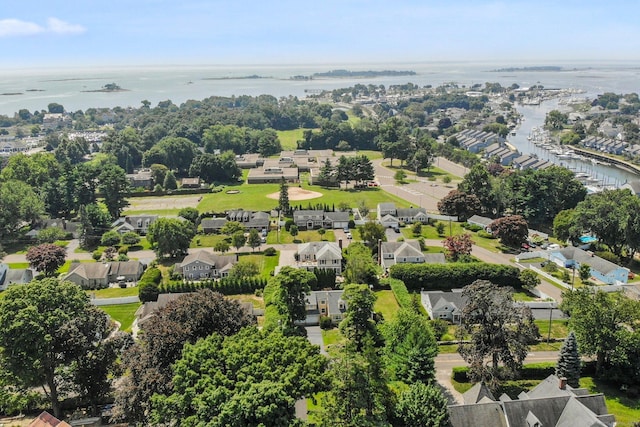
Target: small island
x=109, y=87
x=345, y=74
x=251, y=77
x=11, y=93
x=535, y=68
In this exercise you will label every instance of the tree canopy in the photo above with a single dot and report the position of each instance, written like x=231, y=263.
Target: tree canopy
x=170, y=236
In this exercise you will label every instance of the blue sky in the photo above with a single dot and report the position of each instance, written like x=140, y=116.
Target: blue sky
x=163, y=32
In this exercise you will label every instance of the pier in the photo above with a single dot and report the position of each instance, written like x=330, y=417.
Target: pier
x=629, y=167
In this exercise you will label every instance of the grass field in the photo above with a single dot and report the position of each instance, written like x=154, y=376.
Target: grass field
x=266, y=264
x=288, y=138
x=122, y=313
x=115, y=292
x=258, y=302
x=386, y=304
x=303, y=236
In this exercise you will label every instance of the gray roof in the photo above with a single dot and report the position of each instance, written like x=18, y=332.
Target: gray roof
x=322, y=250
x=440, y=299
x=215, y=260
x=583, y=257
x=213, y=223
x=476, y=393
x=314, y=213
x=336, y=216
x=482, y=220
x=333, y=299
x=408, y=248
x=480, y=414
x=89, y=270
x=410, y=212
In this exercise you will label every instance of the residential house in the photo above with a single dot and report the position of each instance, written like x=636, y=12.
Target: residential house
x=320, y=255
x=601, y=269
x=190, y=182
x=146, y=312
x=53, y=121
x=399, y=253
x=633, y=186
x=250, y=219
x=45, y=419
x=308, y=219
x=336, y=220
x=411, y=215
x=14, y=276
x=212, y=225
x=324, y=303
x=481, y=221
x=141, y=179
x=389, y=221
x=476, y=140
x=504, y=154
x=552, y=403
x=444, y=305
x=386, y=209
x=70, y=227
x=95, y=275
x=206, y=265
x=137, y=223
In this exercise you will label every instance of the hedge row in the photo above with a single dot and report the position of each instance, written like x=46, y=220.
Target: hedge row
x=441, y=277
x=148, y=284
x=226, y=286
x=531, y=371
x=400, y=291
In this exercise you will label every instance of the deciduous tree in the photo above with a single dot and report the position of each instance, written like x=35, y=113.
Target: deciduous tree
x=46, y=258
x=422, y=405
x=512, y=230
x=457, y=246
x=170, y=236
x=48, y=326
x=459, y=204
x=496, y=330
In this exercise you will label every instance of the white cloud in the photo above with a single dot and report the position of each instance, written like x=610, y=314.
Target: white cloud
x=19, y=28
x=16, y=27
x=58, y=26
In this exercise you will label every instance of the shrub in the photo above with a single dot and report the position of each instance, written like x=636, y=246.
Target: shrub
x=352, y=224
x=446, y=179
x=454, y=275
x=485, y=235
x=130, y=238
x=325, y=322
x=288, y=223
x=123, y=250
x=439, y=327
x=609, y=256
x=399, y=291
x=97, y=254
x=110, y=238
x=270, y=251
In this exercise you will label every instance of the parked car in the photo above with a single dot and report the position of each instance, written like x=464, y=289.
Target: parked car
x=349, y=236
x=346, y=229
x=553, y=247
x=396, y=229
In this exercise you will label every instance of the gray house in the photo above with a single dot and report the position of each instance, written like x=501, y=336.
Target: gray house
x=444, y=305
x=324, y=303
x=308, y=219
x=205, y=265
x=392, y=253
x=552, y=403
x=138, y=223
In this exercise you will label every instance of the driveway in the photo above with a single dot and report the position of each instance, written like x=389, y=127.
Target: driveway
x=340, y=234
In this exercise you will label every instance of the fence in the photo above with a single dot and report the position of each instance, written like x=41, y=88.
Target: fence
x=114, y=301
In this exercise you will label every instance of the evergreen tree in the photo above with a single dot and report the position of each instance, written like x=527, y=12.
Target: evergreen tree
x=569, y=361
x=283, y=200
x=170, y=182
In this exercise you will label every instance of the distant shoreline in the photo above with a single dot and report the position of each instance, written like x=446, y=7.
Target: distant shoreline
x=251, y=77
x=346, y=74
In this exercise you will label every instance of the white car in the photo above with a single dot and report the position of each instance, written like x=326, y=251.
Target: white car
x=349, y=236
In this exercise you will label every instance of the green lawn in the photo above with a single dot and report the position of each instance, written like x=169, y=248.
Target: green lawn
x=331, y=337
x=266, y=263
x=142, y=245
x=626, y=409
x=206, y=240
x=115, y=292
x=67, y=264
x=559, y=328
x=18, y=265
x=258, y=302
x=434, y=173
x=430, y=232
x=303, y=236
x=386, y=304
x=122, y=313
x=289, y=138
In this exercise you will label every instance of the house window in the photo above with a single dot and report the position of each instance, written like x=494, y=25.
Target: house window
x=186, y=268
x=323, y=311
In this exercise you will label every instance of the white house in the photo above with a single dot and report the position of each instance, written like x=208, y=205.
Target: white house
x=321, y=255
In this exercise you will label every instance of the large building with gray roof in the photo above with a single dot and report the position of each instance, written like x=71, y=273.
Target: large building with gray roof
x=552, y=403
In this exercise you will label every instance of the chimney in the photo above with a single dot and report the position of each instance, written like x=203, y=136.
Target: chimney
x=340, y=243
x=237, y=257
x=563, y=383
